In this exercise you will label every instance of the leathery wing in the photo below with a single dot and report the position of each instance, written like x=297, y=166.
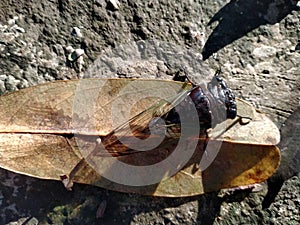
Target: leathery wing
x=52, y=130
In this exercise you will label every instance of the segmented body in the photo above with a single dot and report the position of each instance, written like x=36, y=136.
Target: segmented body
x=214, y=104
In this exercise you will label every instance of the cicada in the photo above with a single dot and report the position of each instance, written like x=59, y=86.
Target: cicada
x=152, y=137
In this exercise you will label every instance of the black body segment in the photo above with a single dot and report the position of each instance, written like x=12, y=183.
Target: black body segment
x=214, y=104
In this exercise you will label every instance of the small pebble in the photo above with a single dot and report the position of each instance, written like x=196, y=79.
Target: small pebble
x=115, y=3
x=20, y=29
x=76, y=32
x=75, y=54
x=69, y=49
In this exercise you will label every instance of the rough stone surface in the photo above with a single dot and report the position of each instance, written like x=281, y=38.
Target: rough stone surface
x=256, y=43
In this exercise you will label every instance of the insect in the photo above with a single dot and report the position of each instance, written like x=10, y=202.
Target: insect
x=60, y=128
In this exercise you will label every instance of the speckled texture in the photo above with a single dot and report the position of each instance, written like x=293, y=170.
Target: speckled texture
x=256, y=43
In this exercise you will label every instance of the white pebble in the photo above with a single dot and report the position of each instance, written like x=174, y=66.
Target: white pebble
x=116, y=4
x=75, y=54
x=76, y=32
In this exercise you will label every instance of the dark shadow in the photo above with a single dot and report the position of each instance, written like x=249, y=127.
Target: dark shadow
x=239, y=17
x=274, y=185
x=209, y=206
x=50, y=203
x=290, y=157
x=31, y=197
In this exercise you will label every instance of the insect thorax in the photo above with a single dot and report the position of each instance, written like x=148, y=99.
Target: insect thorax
x=214, y=104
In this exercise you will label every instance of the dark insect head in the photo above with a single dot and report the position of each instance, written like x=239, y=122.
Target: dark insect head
x=224, y=95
